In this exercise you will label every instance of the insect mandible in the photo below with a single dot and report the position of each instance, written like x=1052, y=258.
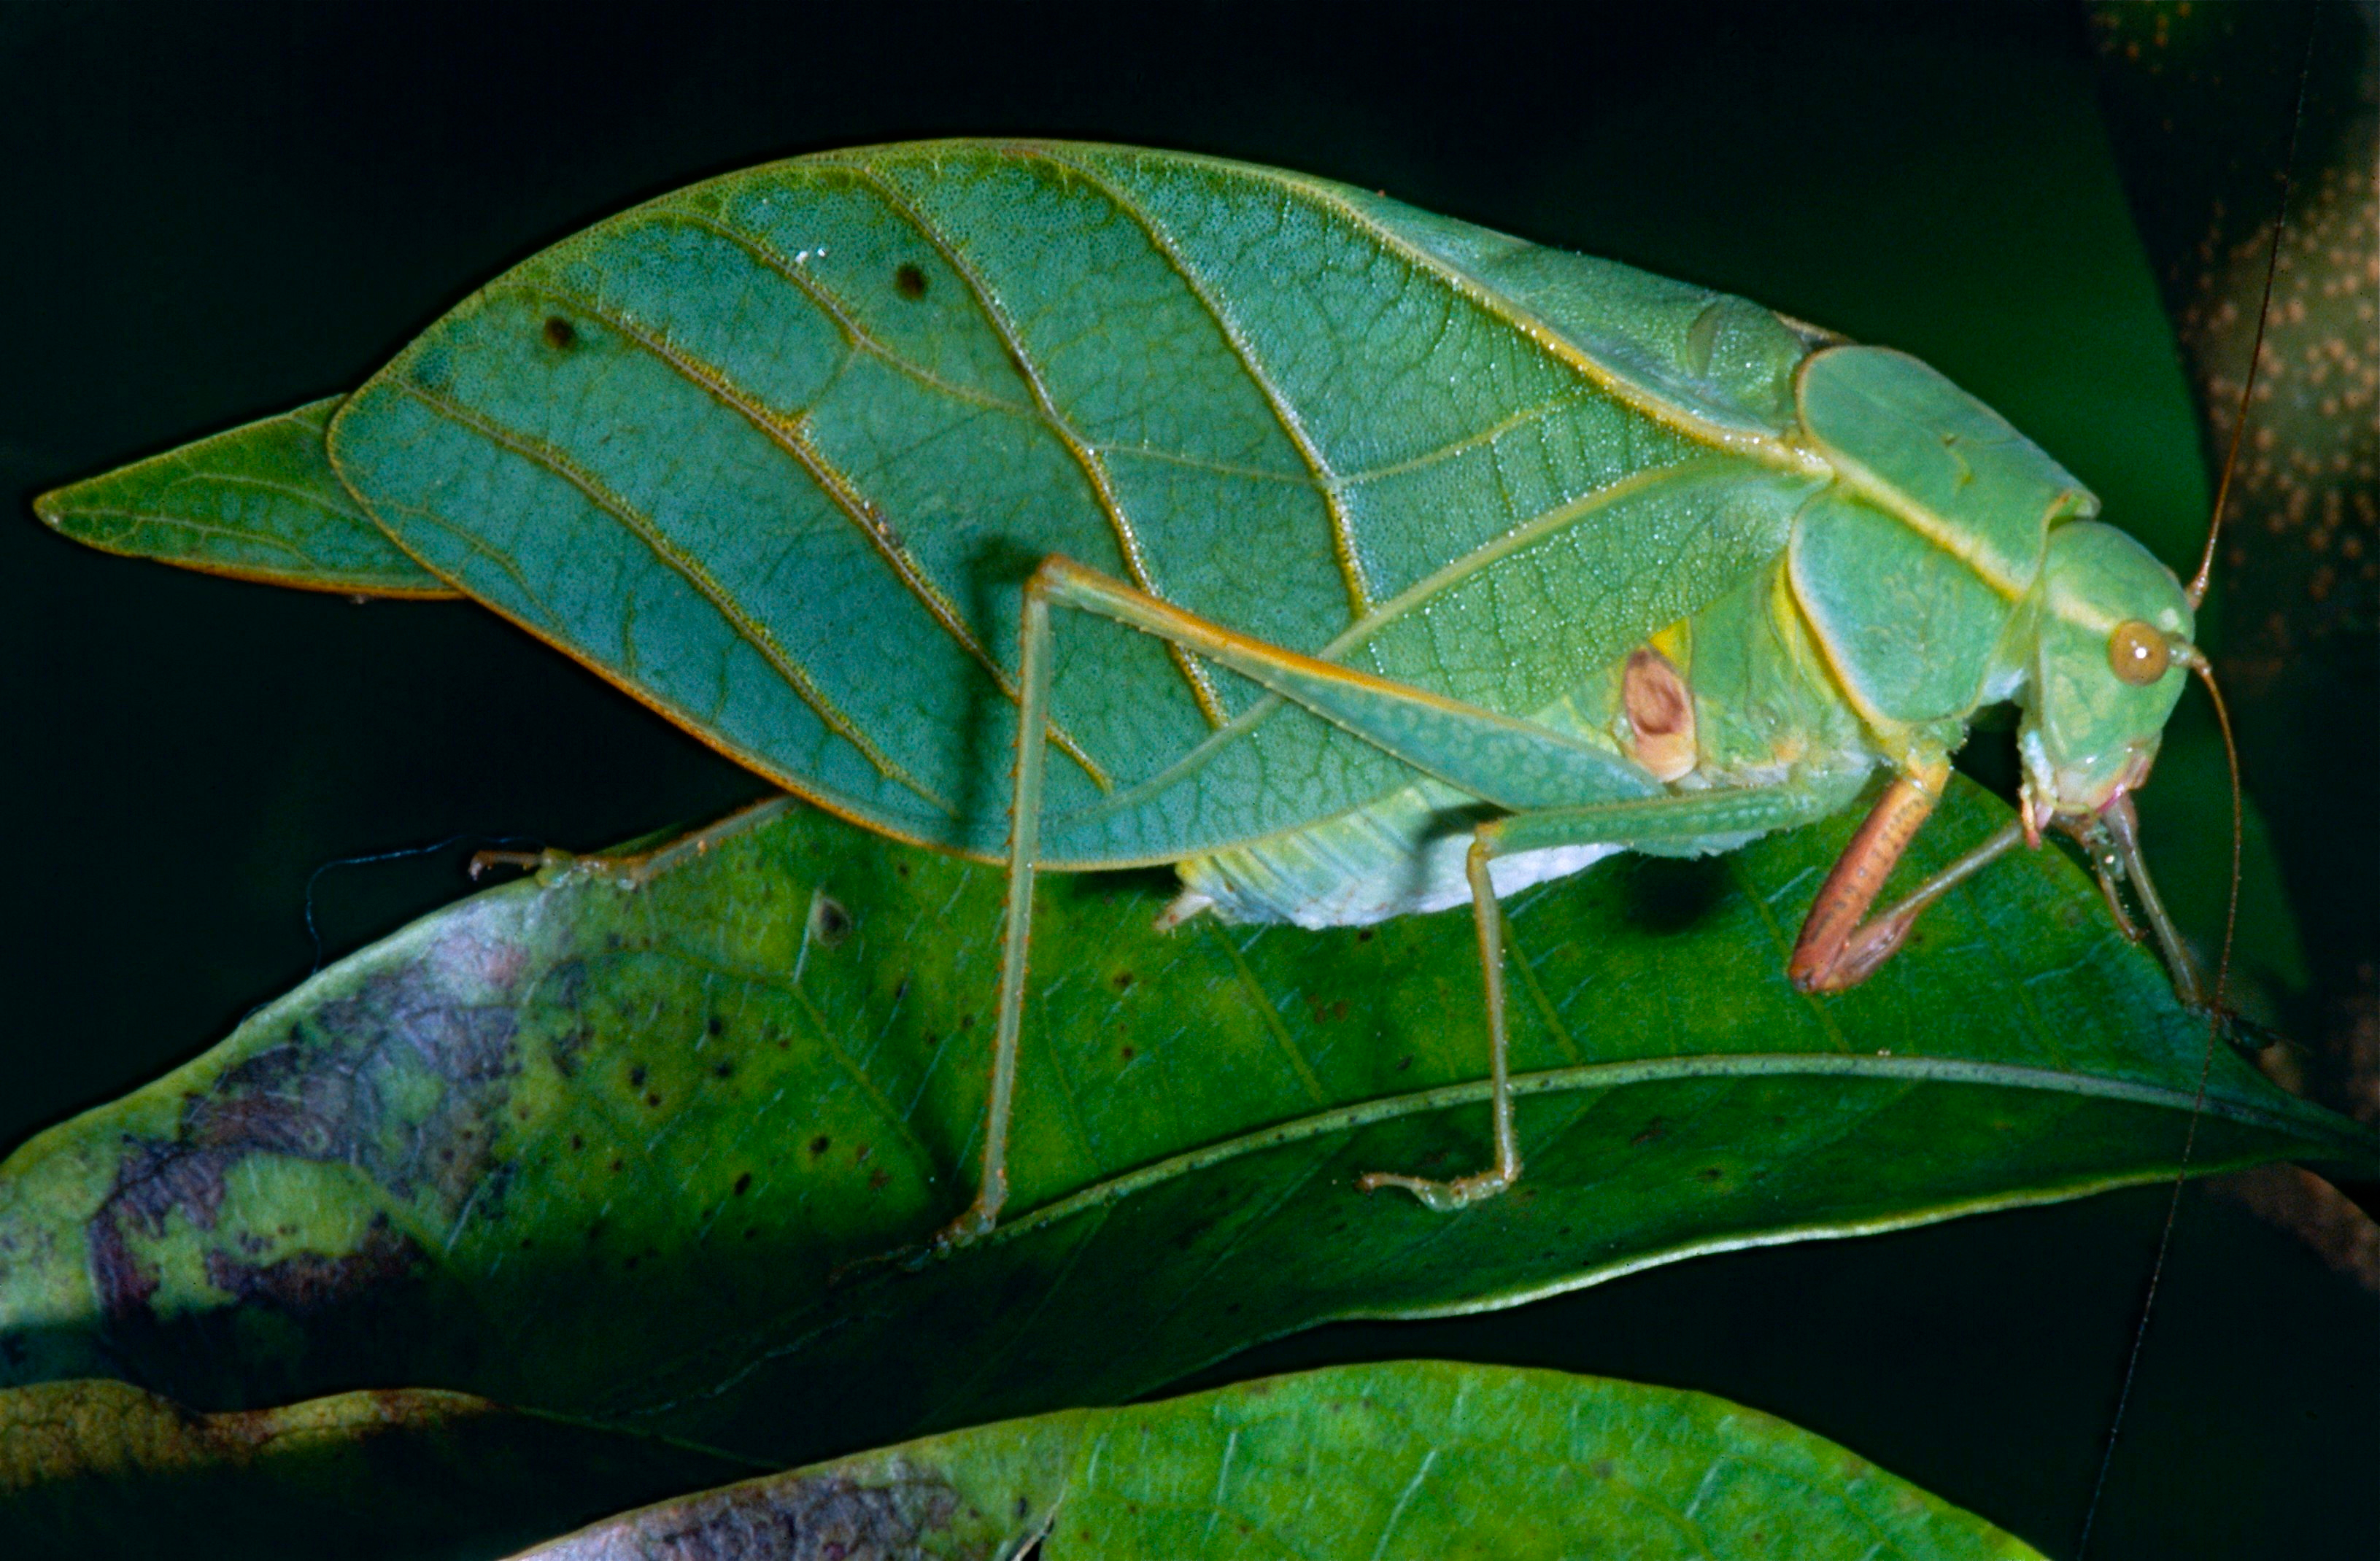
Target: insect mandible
x=1082, y=507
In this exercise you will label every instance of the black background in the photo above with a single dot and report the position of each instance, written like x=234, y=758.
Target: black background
x=208, y=212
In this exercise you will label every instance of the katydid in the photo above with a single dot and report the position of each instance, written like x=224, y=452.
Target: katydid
x=1080, y=507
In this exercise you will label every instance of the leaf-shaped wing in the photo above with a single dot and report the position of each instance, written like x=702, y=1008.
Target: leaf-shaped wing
x=259, y=502
x=776, y=452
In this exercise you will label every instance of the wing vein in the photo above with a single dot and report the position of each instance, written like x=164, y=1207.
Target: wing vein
x=790, y=435
x=307, y=497
x=1094, y=469
x=1326, y=481
x=1765, y=448
x=1269, y=704
x=833, y=308
x=751, y=632
x=1485, y=437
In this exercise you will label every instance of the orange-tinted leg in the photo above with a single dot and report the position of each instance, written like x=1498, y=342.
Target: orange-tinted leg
x=1837, y=949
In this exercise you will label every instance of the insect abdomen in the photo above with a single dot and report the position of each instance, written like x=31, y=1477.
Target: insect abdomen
x=1753, y=699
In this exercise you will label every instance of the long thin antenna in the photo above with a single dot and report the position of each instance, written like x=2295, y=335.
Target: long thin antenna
x=2205, y=671
x=2199, y=582
x=314, y=879
x=2198, y=664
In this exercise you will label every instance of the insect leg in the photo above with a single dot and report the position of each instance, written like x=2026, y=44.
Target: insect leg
x=1669, y=819
x=1837, y=948
x=635, y=869
x=1498, y=758
x=1515, y=764
x=2123, y=827
x=1541, y=774
x=1488, y=917
x=1016, y=937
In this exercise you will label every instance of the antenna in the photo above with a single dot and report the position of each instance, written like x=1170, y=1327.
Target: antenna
x=2205, y=671
x=2128, y=839
x=2196, y=589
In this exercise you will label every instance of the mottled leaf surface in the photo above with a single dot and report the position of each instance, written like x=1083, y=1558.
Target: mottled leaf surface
x=634, y=1153
x=259, y=502
x=1410, y=1458
x=96, y=1469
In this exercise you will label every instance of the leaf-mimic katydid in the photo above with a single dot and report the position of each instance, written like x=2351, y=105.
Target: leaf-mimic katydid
x=1082, y=507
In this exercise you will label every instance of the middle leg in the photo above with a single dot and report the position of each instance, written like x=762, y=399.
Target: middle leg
x=1676, y=819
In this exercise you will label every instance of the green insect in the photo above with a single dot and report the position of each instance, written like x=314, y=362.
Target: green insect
x=1080, y=507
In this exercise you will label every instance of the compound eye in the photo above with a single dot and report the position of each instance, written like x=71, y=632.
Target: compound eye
x=2138, y=652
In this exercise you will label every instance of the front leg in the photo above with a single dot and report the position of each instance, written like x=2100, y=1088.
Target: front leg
x=1837, y=950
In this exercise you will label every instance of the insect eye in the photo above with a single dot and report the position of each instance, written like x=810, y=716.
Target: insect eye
x=2138, y=653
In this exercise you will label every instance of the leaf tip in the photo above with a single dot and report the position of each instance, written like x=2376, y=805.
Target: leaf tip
x=52, y=508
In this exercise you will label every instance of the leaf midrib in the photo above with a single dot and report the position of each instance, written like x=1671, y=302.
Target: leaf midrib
x=1599, y=1076
x=1095, y=1201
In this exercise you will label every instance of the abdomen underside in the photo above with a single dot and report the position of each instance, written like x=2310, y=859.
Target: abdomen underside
x=1402, y=855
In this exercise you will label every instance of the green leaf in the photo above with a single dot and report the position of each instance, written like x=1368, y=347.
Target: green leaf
x=629, y=1153
x=99, y=1468
x=259, y=502
x=1409, y=1458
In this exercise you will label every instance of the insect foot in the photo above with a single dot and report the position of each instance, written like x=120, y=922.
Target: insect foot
x=1445, y=1197
x=974, y=1225
x=548, y=860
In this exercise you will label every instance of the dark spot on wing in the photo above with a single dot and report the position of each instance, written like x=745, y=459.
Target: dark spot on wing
x=909, y=282
x=559, y=334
